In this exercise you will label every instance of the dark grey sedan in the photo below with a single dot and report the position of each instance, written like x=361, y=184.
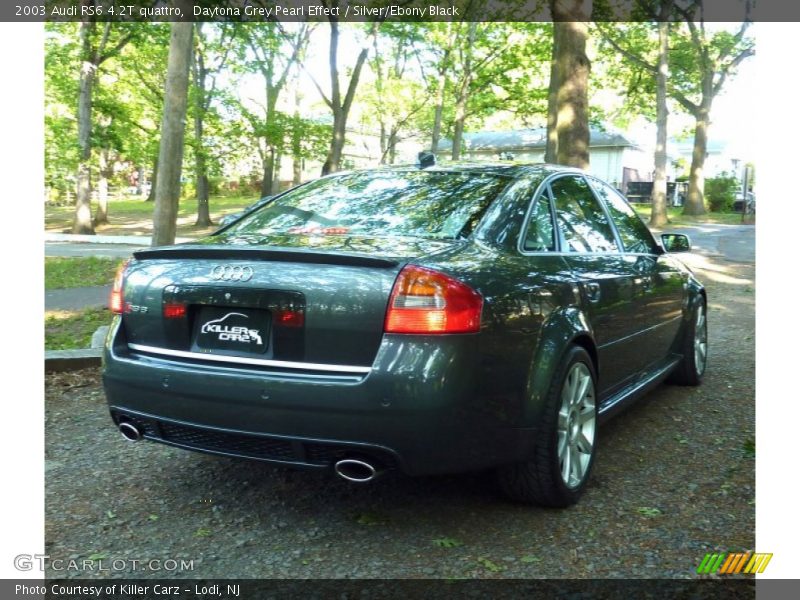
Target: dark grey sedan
x=429, y=320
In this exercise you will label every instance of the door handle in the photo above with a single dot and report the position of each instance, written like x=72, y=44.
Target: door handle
x=592, y=291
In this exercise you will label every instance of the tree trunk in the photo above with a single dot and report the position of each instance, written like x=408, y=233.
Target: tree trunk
x=139, y=180
x=658, y=200
x=170, y=156
x=268, y=166
x=82, y=222
x=695, y=204
x=200, y=106
x=573, y=82
x=297, y=170
x=101, y=214
x=463, y=93
x=393, y=146
x=551, y=147
x=383, y=143
x=275, y=188
x=458, y=128
x=151, y=196
x=437, y=113
x=334, y=159
x=201, y=175
x=297, y=155
x=341, y=107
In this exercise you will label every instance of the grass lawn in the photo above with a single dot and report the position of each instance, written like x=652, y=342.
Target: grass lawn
x=677, y=219
x=134, y=216
x=72, y=329
x=60, y=273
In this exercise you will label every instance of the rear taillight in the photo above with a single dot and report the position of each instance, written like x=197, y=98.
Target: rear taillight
x=426, y=301
x=116, y=301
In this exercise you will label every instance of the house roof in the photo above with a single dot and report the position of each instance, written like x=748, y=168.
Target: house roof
x=528, y=139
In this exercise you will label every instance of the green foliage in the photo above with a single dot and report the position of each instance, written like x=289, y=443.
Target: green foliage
x=447, y=542
x=70, y=330
x=649, y=511
x=721, y=191
x=60, y=273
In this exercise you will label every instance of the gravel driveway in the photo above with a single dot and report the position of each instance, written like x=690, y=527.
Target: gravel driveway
x=674, y=479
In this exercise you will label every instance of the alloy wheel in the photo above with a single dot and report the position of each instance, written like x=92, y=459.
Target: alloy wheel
x=700, y=340
x=576, y=425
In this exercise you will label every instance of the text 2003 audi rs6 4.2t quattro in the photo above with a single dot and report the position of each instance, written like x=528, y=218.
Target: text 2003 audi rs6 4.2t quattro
x=426, y=320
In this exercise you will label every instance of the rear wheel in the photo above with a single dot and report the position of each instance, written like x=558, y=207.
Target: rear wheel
x=695, y=349
x=565, y=439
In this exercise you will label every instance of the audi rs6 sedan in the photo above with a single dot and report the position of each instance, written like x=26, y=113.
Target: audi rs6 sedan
x=424, y=320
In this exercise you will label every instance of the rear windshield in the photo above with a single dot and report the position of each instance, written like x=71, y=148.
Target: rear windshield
x=383, y=203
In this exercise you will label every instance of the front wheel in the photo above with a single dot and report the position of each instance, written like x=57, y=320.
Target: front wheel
x=564, y=447
x=695, y=349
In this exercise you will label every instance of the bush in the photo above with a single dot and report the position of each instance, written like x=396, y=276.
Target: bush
x=721, y=191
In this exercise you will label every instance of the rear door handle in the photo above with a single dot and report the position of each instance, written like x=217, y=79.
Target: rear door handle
x=592, y=291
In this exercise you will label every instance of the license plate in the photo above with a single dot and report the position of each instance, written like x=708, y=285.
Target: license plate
x=232, y=330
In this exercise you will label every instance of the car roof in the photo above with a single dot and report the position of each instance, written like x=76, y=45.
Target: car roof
x=501, y=168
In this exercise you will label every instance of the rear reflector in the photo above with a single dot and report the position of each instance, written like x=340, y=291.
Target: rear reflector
x=290, y=318
x=116, y=300
x=426, y=301
x=174, y=311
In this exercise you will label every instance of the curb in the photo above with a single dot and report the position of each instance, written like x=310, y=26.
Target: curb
x=129, y=240
x=59, y=361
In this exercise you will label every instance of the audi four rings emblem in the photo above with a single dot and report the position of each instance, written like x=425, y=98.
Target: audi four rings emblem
x=232, y=273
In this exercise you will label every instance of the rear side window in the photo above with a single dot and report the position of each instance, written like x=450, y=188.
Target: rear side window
x=582, y=222
x=539, y=235
x=434, y=204
x=632, y=231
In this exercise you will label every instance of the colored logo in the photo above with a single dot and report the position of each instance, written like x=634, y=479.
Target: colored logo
x=734, y=562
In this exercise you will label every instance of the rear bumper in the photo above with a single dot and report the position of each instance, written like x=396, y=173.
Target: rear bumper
x=417, y=409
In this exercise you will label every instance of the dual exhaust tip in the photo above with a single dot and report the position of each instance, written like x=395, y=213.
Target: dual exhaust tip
x=349, y=469
x=355, y=470
x=130, y=432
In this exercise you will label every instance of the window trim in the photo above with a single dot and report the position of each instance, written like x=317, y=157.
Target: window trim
x=593, y=183
x=546, y=183
x=544, y=186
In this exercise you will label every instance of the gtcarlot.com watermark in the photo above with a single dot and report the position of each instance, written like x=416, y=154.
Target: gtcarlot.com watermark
x=31, y=562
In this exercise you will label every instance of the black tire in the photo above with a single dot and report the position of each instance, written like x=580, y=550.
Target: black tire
x=540, y=480
x=691, y=368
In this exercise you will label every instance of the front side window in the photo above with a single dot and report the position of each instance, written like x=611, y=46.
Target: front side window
x=632, y=231
x=582, y=222
x=434, y=204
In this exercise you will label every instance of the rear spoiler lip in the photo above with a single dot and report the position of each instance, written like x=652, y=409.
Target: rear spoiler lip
x=275, y=254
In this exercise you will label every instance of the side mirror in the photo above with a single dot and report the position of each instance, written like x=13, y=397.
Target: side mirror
x=675, y=242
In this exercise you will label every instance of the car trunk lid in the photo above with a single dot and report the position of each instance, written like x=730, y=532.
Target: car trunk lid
x=296, y=299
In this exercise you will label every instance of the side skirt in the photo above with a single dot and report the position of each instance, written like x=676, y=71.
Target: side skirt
x=632, y=392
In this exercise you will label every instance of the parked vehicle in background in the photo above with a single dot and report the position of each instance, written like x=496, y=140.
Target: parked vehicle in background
x=427, y=321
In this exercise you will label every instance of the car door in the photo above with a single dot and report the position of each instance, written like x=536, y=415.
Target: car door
x=607, y=278
x=660, y=282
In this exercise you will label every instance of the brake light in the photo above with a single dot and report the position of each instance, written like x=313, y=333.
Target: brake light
x=116, y=300
x=426, y=301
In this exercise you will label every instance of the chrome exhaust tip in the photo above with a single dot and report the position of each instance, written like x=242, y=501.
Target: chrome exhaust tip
x=130, y=432
x=355, y=471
